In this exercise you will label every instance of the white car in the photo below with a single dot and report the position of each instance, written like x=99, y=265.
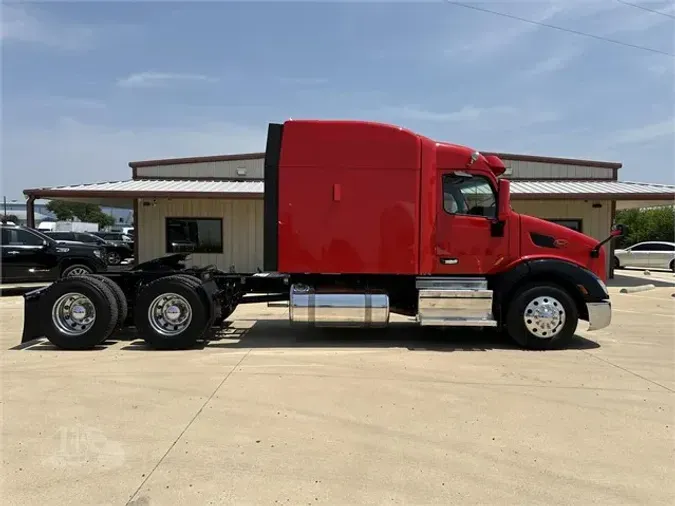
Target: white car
x=651, y=254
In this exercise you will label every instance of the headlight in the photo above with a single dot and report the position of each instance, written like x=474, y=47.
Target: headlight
x=97, y=252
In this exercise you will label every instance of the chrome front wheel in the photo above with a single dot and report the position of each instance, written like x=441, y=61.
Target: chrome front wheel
x=544, y=317
x=541, y=316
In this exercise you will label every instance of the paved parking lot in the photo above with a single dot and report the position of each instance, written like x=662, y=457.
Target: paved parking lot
x=271, y=415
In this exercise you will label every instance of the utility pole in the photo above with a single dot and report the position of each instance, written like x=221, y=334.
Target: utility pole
x=4, y=204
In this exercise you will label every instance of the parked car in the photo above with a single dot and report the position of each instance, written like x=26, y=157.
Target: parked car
x=116, y=251
x=29, y=255
x=649, y=254
x=117, y=238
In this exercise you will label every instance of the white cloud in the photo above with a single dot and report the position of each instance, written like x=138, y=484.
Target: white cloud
x=154, y=79
x=302, y=81
x=630, y=19
x=661, y=69
x=644, y=134
x=23, y=25
x=466, y=113
x=72, y=151
x=553, y=63
x=489, y=38
x=496, y=117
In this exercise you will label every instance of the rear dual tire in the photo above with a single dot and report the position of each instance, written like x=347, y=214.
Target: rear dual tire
x=173, y=313
x=80, y=312
x=541, y=317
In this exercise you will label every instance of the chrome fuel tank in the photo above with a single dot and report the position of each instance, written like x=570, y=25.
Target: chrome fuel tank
x=332, y=308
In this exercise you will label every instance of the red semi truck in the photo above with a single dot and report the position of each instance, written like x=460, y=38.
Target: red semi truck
x=361, y=220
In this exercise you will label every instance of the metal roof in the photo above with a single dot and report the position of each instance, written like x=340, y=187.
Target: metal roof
x=254, y=188
x=591, y=189
x=155, y=187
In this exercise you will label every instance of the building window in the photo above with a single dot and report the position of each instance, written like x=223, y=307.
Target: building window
x=574, y=224
x=469, y=195
x=194, y=235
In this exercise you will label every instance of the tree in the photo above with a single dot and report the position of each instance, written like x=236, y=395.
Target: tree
x=655, y=224
x=91, y=213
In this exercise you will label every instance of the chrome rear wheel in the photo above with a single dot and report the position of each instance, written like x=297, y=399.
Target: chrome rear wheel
x=169, y=314
x=73, y=314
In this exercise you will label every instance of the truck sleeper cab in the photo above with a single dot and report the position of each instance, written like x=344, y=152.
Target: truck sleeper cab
x=362, y=220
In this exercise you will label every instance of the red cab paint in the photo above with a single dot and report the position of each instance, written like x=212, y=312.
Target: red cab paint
x=371, y=198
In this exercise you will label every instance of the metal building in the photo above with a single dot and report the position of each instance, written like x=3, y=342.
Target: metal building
x=221, y=196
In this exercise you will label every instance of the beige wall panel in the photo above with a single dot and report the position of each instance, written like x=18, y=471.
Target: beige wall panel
x=206, y=170
x=242, y=230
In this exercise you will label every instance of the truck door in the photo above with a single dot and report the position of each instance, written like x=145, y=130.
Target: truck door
x=468, y=240
x=21, y=252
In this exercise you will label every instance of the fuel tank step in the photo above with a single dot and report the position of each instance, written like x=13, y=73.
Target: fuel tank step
x=456, y=322
x=455, y=302
x=450, y=283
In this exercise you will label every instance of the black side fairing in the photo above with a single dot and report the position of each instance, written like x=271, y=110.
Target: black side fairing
x=579, y=276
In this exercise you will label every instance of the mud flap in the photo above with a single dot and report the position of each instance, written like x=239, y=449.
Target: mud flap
x=32, y=328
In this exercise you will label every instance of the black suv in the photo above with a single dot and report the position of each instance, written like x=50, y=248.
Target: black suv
x=116, y=251
x=28, y=255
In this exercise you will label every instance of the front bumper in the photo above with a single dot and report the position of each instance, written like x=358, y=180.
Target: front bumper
x=599, y=314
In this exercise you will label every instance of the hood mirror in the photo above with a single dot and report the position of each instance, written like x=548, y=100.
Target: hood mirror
x=619, y=230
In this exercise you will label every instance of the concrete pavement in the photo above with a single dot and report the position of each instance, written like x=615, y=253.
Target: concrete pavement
x=271, y=415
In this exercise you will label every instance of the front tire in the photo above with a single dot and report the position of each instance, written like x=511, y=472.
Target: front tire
x=76, y=270
x=78, y=313
x=172, y=313
x=114, y=258
x=617, y=264
x=541, y=317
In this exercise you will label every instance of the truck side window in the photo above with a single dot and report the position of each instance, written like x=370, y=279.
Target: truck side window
x=20, y=237
x=469, y=195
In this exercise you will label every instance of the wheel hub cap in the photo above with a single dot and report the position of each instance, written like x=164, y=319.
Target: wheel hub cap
x=544, y=317
x=170, y=314
x=73, y=314
x=78, y=312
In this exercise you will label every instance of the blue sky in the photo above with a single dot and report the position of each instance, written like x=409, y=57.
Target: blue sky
x=89, y=86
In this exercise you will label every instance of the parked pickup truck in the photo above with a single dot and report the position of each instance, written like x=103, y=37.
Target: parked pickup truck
x=29, y=255
x=115, y=251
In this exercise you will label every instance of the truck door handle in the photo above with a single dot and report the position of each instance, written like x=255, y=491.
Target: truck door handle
x=449, y=261
x=12, y=252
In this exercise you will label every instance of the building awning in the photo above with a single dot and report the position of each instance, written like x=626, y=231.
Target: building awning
x=124, y=192
x=609, y=190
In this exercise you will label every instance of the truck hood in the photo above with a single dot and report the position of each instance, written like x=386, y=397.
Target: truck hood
x=541, y=238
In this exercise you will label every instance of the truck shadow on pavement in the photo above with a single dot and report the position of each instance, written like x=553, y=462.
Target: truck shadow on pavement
x=278, y=334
